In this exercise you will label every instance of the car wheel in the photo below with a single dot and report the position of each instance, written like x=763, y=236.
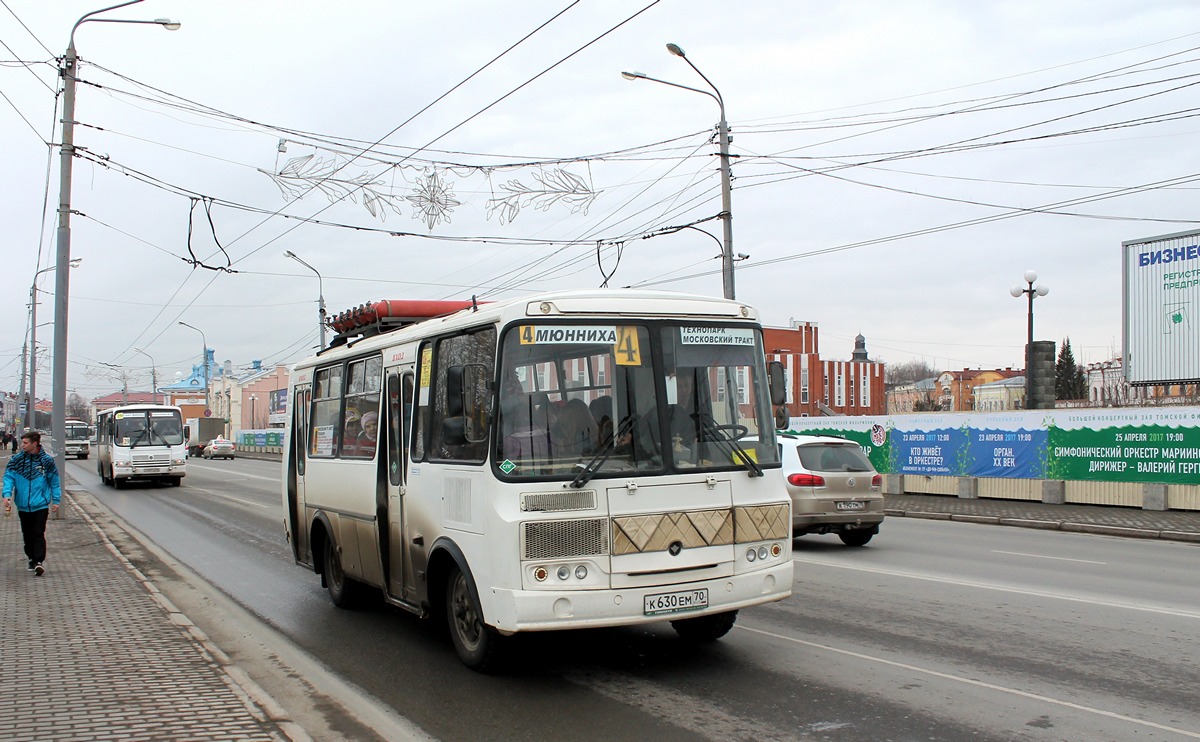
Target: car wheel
x=857, y=537
x=477, y=644
x=705, y=628
x=343, y=591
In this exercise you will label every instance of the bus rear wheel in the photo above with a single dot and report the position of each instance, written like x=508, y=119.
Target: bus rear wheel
x=705, y=628
x=477, y=644
x=343, y=591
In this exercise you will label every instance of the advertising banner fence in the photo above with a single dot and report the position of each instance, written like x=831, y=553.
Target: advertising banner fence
x=1130, y=444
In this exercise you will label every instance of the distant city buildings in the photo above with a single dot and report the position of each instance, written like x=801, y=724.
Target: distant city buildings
x=816, y=386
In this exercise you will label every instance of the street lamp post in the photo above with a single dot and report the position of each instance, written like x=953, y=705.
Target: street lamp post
x=153, y=373
x=726, y=176
x=33, y=289
x=320, y=293
x=68, y=71
x=253, y=399
x=1031, y=291
x=204, y=361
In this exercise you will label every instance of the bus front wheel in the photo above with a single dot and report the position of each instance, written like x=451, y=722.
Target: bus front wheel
x=475, y=643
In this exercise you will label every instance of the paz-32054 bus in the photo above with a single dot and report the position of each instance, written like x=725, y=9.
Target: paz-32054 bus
x=577, y=459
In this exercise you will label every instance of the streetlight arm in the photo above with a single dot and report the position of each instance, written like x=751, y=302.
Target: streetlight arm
x=88, y=17
x=709, y=93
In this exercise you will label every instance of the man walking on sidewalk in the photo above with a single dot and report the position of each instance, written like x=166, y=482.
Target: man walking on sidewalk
x=31, y=479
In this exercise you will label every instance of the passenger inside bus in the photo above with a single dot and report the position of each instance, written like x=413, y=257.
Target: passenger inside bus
x=368, y=438
x=684, y=422
x=573, y=432
x=525, y=420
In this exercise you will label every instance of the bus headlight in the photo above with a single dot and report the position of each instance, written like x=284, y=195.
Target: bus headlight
x=564, y=572
x=581, y=572
x=751, y=555
x=540, y=574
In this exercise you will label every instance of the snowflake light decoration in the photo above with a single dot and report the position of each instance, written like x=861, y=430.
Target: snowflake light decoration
x=433, y=200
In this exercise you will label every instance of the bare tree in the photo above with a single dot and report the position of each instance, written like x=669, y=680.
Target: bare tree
x=908, y=372
x=78, y=408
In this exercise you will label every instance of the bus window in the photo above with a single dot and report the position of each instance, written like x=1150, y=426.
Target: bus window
x=327, y=400
x=473, y=354
x=362, y=407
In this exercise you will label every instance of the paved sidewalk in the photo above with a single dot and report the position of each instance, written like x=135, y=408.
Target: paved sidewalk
x=1175, y=525
x=92, y=651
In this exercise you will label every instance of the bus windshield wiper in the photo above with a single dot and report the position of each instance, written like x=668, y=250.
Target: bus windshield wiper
x=732, y=447
x=590, y=469
x=141, y=434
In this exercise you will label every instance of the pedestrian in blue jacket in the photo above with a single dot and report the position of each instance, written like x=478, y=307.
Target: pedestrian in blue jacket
x=31, y=479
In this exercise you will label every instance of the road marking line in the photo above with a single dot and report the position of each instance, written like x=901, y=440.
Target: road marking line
x=214, y=469
x=1008, y=589
x=1043, y=556
x=977, y=683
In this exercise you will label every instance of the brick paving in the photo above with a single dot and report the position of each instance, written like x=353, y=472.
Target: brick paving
x=91, y=651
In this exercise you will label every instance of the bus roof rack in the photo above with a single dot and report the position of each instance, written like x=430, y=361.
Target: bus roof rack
x=377, y=317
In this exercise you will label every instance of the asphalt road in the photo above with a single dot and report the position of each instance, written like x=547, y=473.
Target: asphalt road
x=935, y=631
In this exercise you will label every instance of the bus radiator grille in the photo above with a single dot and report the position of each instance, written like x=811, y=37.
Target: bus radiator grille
x=545, y=502
x=555, y=539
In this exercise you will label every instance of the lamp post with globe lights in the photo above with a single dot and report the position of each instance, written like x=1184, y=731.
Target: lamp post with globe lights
x=1031, y=291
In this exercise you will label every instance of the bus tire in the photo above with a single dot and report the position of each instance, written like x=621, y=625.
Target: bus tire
x=343, y=591
x=119, y=483
x=476, y=643
x=703, y=629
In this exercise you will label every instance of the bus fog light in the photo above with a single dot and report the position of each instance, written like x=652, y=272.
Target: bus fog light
x=564, y=572
x=762, y=552
x=540, y=574
x=581, y=572
x=776, y=550
x=750, y=555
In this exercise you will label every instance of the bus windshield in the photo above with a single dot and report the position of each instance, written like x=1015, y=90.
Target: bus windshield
x=584, y=400
x=148, y=428
x=78, y=431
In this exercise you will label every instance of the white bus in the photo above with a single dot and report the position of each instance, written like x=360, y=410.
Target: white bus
x=77, y=434
x=577, y=459
x=140, y=442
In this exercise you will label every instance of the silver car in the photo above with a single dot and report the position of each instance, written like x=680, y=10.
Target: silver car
x=834, y=488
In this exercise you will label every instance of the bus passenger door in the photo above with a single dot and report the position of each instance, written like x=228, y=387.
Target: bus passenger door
x=297, y=513
x=400, y=583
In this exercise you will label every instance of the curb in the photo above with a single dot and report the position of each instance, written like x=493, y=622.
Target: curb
x=1050, y=525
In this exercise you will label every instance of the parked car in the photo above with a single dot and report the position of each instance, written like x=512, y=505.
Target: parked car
x=218, y=447
x=834, y=488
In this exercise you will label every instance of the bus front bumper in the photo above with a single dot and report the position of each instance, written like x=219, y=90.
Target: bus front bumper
x=512, y=611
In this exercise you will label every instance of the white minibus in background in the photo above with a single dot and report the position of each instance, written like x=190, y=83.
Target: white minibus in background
x=140, y=442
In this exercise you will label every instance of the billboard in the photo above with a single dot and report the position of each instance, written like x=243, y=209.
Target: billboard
x=1161, y=309
x=1127, y=444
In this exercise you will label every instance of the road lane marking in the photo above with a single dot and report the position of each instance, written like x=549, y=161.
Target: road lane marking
x=1007, y=589
x=211, y=468
x=1044, y=556
x=976, y=683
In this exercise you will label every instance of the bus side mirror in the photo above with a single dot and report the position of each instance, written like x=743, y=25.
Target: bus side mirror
x=454, y=431
x=777, y=382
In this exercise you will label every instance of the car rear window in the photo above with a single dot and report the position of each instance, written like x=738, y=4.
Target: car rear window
x=833, y=457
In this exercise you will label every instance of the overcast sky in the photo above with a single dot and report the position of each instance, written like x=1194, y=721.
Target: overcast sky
x=898, y=166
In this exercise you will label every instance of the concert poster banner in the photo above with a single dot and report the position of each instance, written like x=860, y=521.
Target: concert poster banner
x=1157, y=444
